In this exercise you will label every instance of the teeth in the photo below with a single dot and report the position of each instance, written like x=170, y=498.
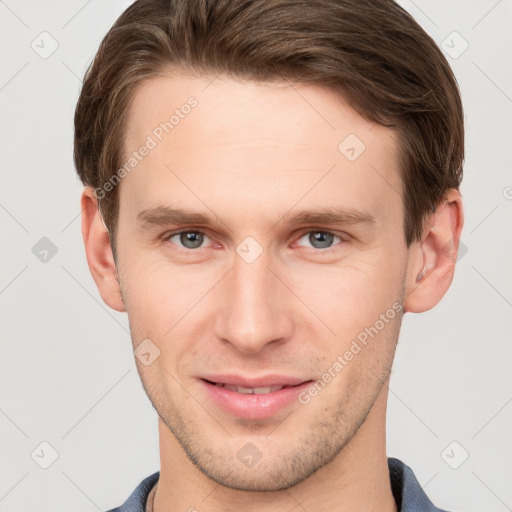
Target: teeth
x=254, y=391
x=240, y=389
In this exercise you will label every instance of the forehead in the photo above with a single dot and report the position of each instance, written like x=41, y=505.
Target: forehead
x=288, y=112
x=255, y=140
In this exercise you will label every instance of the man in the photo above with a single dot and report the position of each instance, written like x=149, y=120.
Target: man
x=269, y=187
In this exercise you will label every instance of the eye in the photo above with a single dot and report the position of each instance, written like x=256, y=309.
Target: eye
x=187, y=239
x=320, y=239
x=191, y=240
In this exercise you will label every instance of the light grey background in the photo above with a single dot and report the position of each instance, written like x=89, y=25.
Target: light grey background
x=68, y=376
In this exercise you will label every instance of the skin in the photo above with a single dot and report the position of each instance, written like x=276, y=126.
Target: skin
x=248, y=154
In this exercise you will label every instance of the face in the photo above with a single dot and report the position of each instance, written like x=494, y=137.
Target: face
x=255, y=250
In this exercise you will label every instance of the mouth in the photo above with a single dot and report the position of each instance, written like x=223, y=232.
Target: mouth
x=262, y=390
x=253, y=399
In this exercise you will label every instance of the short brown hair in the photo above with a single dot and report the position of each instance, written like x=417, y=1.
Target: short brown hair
x=371, y=52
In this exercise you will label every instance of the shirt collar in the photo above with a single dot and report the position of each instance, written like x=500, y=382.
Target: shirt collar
x=406, y=489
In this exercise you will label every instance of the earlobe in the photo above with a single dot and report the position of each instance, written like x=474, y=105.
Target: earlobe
x=99, y=252
x=432, y=260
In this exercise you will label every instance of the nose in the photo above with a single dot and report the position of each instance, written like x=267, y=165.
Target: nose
x=254, y=308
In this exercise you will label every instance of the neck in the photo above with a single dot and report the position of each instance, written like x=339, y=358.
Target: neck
x=356, y=480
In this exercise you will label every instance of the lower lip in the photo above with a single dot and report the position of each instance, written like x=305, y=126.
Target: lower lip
x=253, y=407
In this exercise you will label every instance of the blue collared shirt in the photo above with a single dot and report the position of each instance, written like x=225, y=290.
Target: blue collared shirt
x=409, y=495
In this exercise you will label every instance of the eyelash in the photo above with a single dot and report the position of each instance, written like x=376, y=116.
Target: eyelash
x=166, y=238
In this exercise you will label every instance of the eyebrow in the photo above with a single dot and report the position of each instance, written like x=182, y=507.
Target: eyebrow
x=164, y=215
x=330, y=216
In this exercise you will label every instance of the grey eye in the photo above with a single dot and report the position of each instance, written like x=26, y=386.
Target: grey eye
x=191, y=239
x=321, y=239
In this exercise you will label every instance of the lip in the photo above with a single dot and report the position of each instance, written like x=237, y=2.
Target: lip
x=250, y=406
x=254, y=382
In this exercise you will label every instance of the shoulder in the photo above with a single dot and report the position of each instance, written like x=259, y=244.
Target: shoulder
x=409, y=495
x=136, y=502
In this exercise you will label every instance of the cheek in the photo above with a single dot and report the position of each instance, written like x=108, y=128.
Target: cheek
x=160, y=306
x=161, y=295
x=350, y=297
x=342, y=298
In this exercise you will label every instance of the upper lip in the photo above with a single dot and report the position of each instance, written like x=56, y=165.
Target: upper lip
x=255, y=382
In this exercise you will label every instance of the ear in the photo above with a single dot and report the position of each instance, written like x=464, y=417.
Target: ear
x=99, y=253
x=432, y=259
